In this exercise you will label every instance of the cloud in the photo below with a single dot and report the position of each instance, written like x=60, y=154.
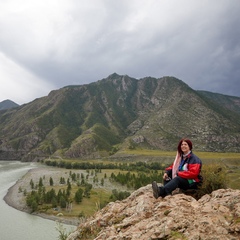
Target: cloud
x=18, y=84
x=63, y=42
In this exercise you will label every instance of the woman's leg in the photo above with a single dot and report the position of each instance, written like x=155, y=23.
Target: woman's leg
x=176, y=182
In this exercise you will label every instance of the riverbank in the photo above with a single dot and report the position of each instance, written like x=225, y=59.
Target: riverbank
x=15, y=197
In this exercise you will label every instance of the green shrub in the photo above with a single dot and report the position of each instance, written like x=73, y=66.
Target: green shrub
x=214, y=177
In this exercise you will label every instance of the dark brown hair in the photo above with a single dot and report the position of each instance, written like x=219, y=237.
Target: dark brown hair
x=180, y=143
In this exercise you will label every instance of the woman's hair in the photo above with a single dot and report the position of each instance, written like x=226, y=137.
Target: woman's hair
x=180, y=143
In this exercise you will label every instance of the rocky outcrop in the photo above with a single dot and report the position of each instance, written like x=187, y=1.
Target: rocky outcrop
x=141, y=216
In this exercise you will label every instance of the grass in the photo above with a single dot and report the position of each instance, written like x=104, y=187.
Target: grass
x=177, y=235
x=89, y=205
x=86, y=208
x=201, y=155
x=148, y=152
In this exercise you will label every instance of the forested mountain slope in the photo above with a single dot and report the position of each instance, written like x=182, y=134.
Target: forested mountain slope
x=97, y=119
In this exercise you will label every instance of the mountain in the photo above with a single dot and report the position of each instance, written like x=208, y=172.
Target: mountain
x=141, y=216
x=100, y=118
x=7, y=104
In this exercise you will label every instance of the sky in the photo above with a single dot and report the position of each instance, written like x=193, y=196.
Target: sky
x=48, y=44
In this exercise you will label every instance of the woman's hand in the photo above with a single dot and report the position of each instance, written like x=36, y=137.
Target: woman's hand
x=165, y=176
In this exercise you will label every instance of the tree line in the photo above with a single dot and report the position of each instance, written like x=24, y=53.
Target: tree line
x=136, y=180
x=136, y=166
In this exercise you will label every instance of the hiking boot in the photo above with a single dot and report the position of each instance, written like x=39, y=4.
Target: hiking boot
x=156, y=190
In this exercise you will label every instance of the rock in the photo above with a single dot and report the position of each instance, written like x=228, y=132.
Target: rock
x=141, y=216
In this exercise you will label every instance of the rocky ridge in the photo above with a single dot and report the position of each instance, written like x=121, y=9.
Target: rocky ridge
x=141, y=216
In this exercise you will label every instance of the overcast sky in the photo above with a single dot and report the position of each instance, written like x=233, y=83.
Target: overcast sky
x=48, y=44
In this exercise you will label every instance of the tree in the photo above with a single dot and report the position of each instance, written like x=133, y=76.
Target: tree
x=69, y=184
x=62, y=180
x=40, y=183
x=54, y=202
x=87, y=190
x=34, y=206
x=51, y=181
x=69, y=187
x=49, y=196
x=79, y=195
x=63, y=202
x=32, y=184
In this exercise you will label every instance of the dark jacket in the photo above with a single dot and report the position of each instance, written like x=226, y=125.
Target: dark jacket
x=190, y=169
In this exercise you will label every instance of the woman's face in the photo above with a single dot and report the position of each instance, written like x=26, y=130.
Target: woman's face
x=184, y=147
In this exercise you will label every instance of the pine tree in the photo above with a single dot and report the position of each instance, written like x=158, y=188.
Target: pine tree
x=51, y=181
x=40, y=183
x=32, y=184
x=78, y=195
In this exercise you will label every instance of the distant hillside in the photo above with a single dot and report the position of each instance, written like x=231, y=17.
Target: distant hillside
x=228, y=106
x=7, y=104
x=98, y=119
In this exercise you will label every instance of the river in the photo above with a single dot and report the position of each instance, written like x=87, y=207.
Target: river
x=16, y=224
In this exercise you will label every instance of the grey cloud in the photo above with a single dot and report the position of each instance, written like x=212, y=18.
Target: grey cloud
x=77, y=43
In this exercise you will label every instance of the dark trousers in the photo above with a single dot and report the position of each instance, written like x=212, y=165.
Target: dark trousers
x=177, y=182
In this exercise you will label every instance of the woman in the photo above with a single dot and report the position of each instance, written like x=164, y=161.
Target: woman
x=184, y=173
